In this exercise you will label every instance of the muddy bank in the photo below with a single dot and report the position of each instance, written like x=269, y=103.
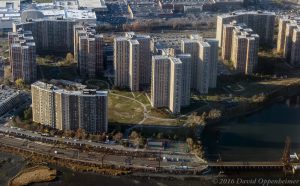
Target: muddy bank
x=35, y=174
x=75, y=165
x=10, y=165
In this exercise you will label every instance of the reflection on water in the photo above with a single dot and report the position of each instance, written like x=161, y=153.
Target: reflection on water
x=258, y=137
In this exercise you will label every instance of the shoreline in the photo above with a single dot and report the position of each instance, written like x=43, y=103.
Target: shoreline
x=276, y=96
x=87, y=166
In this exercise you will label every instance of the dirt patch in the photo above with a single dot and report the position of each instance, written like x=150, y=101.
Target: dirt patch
x=35, y=174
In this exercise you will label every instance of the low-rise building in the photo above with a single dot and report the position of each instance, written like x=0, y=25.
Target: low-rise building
x=9, y=99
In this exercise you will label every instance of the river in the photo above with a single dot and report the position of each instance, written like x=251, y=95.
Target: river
x=256, y=137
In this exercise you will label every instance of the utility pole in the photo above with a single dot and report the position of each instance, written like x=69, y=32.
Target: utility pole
x=102, y=160
x=159, y=159
x=286, y=155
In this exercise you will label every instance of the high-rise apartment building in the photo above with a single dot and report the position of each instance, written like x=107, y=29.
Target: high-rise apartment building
x=166, y=83
x=204, y=62
x=295, y=53
x=288, y=41
x=69, y=110
x=186, y=60
x=50, y=35
x=132, y=61
x=191, y=46
x=22, y=53
x=213, y=64
x=262, y=23
x=240, y=45
x=281, y=34
x=244, y=53
x=88, y=50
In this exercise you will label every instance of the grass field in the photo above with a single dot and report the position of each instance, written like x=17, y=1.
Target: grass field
x=124, y=111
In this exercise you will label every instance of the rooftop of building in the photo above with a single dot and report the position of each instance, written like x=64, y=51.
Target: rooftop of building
x=57, y=19
x=131, y=36
x=204, y=44
x=183, y=55
x=160, y=57
x=93, y=4
x=134, y=42
x=175, y=60
x=6, y=94
x=88, y=31
x=59, y=8
x=233, y=14
x=68, y=87
x=186, y=2
x=22, y=38
x=10, y=4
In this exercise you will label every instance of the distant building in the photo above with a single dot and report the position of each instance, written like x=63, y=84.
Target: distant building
x=213, y=5
x=22, y=52
x=88, y=50
x=53, y=12
x=132, y=61
x=240, y=45
x=69, y=110
x=288, y=41
x=11, y=4
x=50, y=35
x=2, y=66
x=9, y=99
x=262, y=23
x=244, y=53
x=204, y=54
x=95, y=5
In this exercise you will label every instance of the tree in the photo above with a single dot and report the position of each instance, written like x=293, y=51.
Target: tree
x=134, y=135
x=7, y=72
x=160, y=135
x=214, y=114
x=80, y=133
x=69, y=133
x=28, y=114
x=195, y=120
x=118, y=136
x=20, y=83
x=69, y=58
x=189, y=142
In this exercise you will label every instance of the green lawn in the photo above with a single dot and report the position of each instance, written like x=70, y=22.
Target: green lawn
x=123, y=93
x=124, y=111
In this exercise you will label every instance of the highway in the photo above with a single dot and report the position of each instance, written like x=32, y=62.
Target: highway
x=19, y=138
